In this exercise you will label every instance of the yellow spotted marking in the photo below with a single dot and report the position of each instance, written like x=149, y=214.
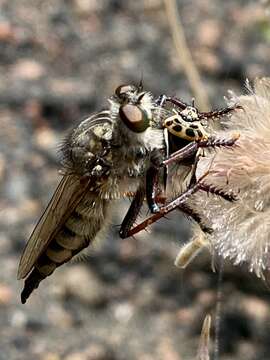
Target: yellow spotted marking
x=191, y=131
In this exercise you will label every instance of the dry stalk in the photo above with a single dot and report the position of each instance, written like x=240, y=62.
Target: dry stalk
x=184, y=56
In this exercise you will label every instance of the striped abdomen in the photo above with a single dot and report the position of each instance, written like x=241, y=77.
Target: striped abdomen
x=76, y=234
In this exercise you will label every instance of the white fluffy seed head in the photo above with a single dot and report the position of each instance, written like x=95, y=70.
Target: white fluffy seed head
x=241, y=229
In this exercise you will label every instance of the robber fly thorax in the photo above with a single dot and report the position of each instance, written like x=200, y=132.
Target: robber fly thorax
x=103, y=157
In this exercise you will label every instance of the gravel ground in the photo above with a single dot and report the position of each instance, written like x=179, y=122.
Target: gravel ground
x=59, y=61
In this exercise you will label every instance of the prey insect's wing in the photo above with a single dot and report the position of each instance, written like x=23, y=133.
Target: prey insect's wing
x=69, y=192
x=66, y=197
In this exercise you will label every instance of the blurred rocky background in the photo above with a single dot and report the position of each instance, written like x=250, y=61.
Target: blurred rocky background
x=59, y=61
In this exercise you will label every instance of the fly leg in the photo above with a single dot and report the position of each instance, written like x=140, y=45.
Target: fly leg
x=152, y=177
x=132, y=212
x=149, y=190
x=177, y=203
x=180, y=203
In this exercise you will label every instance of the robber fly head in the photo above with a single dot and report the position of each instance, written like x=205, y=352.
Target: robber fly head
x=135, y=108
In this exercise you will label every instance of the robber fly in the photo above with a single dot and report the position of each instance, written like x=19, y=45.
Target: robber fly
x=186, y=134
x=104, y=156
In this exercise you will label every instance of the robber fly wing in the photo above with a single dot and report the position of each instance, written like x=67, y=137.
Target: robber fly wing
x=68, y=194
x=66, y=197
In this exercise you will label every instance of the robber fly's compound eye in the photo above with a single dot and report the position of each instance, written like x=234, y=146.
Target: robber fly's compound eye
x=135, y=118
x=122, y=90
x=190, y=113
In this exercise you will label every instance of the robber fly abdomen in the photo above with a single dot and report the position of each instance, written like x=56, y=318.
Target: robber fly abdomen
x=76, y=233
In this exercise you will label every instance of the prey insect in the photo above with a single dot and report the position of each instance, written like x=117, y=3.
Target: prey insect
x=186, y=134
x=104, y=156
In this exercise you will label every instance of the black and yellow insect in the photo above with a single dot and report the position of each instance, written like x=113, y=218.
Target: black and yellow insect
x=186, y=125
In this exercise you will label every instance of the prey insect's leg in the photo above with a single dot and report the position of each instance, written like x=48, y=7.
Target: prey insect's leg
x=133, y=212
x=174, y=100
x=185, y=208
x=202, y=115
x=191, y=149
x=218, y=113
x=229, y=196
x=195, y=216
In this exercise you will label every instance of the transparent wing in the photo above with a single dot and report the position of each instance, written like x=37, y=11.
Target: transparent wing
x=66, y=197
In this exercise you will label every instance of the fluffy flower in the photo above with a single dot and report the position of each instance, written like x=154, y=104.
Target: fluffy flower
x=241, y=230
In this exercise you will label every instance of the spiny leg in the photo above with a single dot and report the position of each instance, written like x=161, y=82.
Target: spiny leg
x=209, y=189
x=187, y=210
x=179, y=202
x=132, y=212
x=202, y=115
x=192, y=148
x=229, y=196
x=166, y=209
x=218, y=113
